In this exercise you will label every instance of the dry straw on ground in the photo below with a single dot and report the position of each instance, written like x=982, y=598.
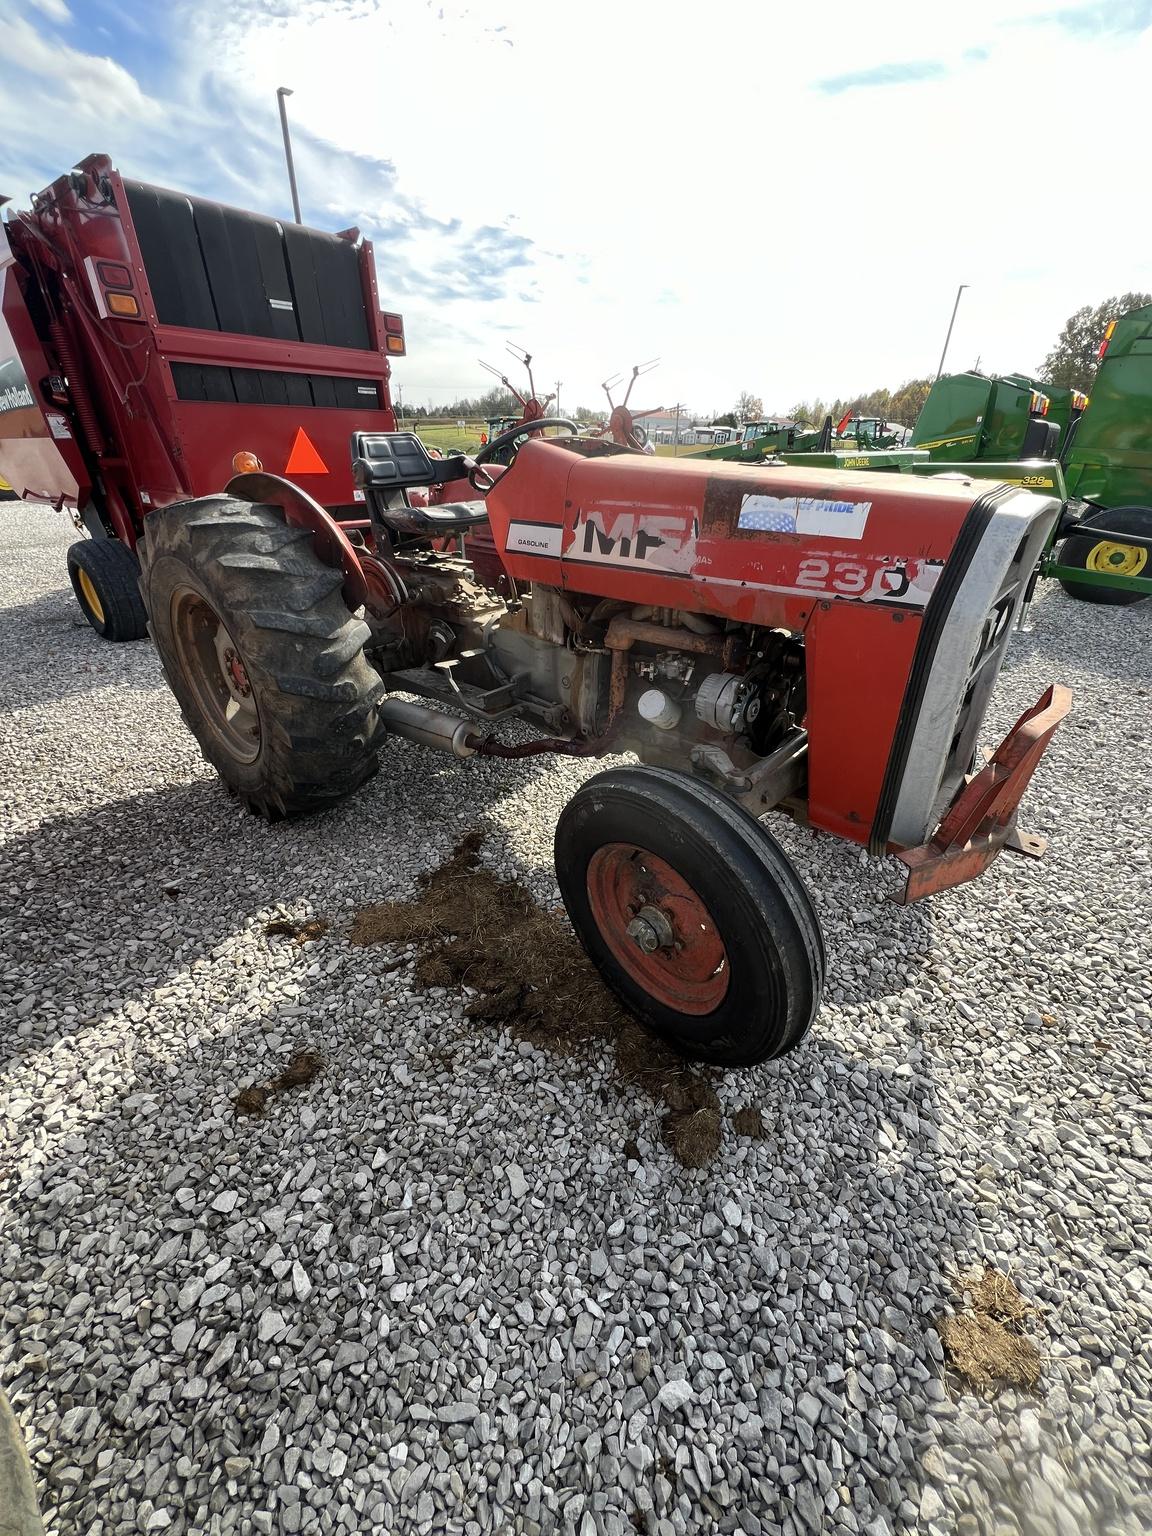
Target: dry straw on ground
x=986, y=1343
x=534, y=979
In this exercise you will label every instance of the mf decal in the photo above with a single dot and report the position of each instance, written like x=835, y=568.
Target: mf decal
x=653, y=541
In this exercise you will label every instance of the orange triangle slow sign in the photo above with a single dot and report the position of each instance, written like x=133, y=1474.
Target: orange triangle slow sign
x=304, y=460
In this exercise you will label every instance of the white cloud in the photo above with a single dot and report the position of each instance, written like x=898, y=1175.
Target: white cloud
x=55, y=10
x=683, y=183
x=65, y=95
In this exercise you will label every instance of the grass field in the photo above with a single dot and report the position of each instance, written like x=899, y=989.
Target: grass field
x=447, y=435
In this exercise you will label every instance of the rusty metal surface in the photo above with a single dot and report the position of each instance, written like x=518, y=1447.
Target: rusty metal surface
x=982, y=818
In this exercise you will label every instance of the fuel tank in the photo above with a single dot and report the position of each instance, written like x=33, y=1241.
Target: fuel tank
x=904, y=590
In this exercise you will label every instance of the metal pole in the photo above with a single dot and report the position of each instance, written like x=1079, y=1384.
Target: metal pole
x=676, y=450
x=951, y=323
x=558, y=384
x=281, y=92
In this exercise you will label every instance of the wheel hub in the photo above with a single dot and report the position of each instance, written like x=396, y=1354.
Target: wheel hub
x=91, y=596
x=1116, y=559
x=215, y=670
x=658, y=928
x=651, y=928
x=237, y=676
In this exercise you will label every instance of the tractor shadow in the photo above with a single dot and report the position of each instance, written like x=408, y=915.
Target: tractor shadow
x=63, y=657
x=104, y=906
x=129, y=924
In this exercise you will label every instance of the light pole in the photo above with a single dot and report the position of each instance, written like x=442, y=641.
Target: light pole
x=951, y=323
x=558, y=384
x=281, y=92
x=675, y=411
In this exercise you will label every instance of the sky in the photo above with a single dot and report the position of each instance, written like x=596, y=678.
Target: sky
x=767, y=198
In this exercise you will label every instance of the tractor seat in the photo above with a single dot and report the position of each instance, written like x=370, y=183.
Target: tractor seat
x=448, y=517
x=387, y=465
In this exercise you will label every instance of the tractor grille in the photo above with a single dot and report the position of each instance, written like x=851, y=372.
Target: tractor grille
x=962, y=641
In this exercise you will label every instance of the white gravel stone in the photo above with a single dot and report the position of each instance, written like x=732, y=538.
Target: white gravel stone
x=674, y=1394
x=418, y=1297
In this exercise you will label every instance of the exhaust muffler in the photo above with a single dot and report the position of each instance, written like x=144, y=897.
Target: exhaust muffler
x=431, y=728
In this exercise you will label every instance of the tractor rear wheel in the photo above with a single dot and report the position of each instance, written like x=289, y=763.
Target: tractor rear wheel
x=1108, y=556
x=692, y=914
x=105, y=577
x=262, y=653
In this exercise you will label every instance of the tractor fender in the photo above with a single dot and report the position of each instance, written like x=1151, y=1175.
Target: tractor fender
x=331, y=543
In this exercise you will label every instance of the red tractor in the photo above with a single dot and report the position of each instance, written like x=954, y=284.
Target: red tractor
x=761, y=638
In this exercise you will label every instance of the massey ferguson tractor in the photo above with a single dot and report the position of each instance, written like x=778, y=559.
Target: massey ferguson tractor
x=760, y=638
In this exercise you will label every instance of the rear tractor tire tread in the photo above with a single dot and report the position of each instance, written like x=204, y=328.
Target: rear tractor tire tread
x=301, y=647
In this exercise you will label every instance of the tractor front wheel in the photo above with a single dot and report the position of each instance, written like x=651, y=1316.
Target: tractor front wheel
x=1108, y=557
x=692, y=914
x=262, y=653
x=106, y=580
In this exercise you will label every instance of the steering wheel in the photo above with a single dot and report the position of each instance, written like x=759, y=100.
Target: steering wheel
x=521, y=429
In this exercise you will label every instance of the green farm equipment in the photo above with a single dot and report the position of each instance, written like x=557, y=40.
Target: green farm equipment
x=761, y=440
x=968, y=417
x=840, y=446
x=871, y=434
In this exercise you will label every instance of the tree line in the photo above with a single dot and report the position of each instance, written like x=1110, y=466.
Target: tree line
x=492, y=403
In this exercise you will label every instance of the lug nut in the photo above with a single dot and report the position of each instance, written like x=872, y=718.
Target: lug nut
x=651, y=929
x=644, y=934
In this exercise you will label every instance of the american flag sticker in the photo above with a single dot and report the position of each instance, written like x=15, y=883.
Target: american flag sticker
x=804, y=514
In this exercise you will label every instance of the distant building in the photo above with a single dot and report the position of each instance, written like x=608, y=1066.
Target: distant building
x=711, y=434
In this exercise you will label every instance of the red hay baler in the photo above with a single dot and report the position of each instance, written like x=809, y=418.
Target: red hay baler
x=148, y=338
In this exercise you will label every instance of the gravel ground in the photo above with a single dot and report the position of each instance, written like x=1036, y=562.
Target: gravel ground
x=431, y=1292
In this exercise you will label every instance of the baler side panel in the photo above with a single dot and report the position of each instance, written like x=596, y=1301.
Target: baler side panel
x=34, y=455
x=305, y=353
x=211, y=432
x=288, y=342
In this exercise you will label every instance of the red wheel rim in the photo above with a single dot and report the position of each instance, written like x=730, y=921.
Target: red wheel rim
x=674, y=950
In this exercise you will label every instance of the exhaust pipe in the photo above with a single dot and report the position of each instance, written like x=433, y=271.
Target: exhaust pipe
x=430, y=728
